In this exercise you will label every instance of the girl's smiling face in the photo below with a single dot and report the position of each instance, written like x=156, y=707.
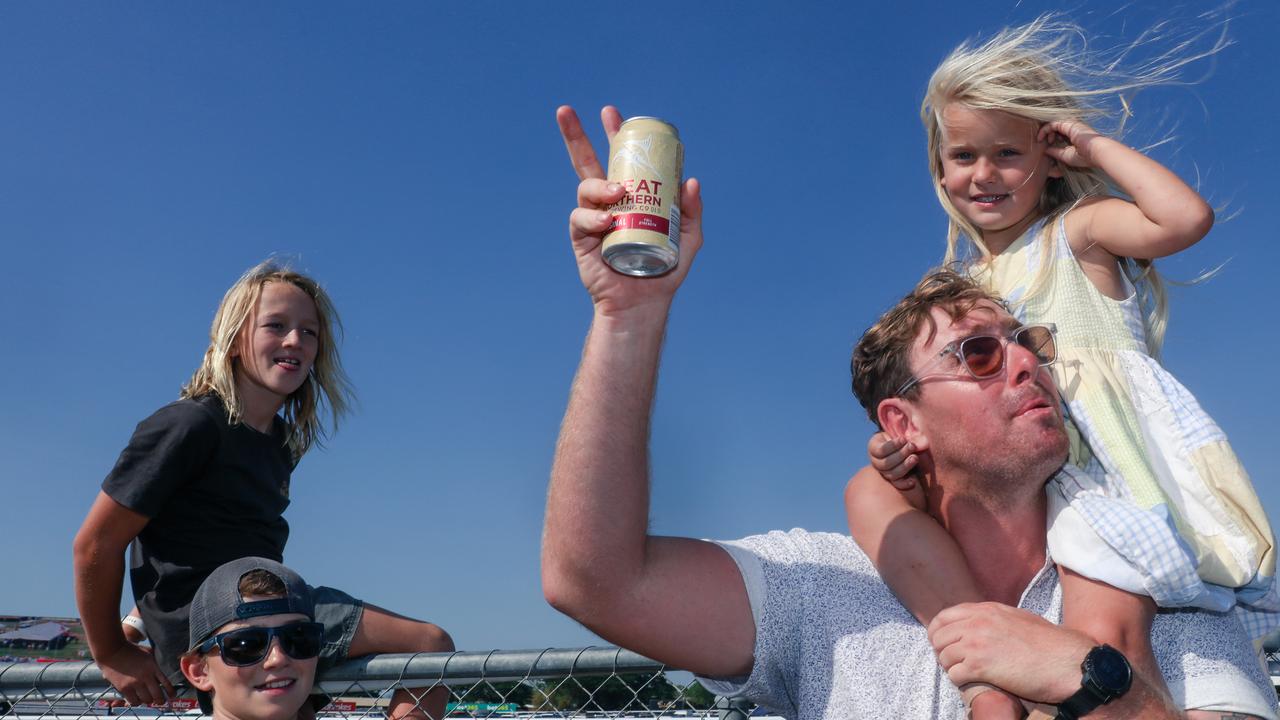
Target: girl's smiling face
x=276, y=348
x=994, y=170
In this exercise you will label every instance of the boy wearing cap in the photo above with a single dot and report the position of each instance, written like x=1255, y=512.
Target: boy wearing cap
x=254, y=642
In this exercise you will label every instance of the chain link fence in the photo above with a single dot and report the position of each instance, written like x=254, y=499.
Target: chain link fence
x=600, y=682
x=1272, y=656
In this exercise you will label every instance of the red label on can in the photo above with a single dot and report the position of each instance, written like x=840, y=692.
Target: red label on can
x=640, y=221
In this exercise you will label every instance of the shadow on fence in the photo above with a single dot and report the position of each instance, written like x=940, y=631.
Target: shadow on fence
x=558, y=682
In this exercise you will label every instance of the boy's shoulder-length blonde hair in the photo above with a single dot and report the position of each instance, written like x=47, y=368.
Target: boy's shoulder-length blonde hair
x=1046, y=71
x=326, y=385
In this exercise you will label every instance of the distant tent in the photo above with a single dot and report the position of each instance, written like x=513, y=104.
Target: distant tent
x=44, y=636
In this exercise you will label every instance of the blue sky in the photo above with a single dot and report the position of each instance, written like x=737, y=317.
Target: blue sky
x=406, y=154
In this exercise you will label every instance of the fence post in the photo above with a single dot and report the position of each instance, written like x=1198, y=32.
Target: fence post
x=733, y=708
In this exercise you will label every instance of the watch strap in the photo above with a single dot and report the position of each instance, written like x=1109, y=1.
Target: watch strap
x=1094, y=690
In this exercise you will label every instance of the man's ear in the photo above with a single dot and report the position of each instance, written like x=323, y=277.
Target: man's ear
x=1055, y=168
x=196, y=669
x=899, y=420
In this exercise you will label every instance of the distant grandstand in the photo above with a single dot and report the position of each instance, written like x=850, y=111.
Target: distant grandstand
x=32, y=637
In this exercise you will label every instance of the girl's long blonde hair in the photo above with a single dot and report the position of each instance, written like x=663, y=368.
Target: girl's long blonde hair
x=1045, y=71
x=326, y=384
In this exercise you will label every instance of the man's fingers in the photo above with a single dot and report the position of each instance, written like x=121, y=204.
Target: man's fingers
x=690, y=203
x=581, y=154
x=611, y=119
x=587, y=223
x=690, y=221
x=942, y=635
x=598, y=194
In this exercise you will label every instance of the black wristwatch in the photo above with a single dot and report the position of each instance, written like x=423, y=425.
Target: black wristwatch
x=1107, y=676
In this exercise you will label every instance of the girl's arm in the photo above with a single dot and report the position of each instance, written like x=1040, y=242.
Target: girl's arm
x=98, y=559
x=1166, y=215
x=914, y=555
x=896, y=461
x=919, y=561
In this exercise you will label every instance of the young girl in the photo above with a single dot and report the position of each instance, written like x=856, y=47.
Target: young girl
x=205, y=480
x=1028, y=189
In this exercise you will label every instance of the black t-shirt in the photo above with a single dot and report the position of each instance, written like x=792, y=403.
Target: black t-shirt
x=213, y=493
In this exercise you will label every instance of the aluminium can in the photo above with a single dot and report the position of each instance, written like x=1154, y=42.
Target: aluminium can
x=646, y=158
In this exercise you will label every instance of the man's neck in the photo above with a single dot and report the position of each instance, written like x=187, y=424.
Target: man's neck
x=1002, y=537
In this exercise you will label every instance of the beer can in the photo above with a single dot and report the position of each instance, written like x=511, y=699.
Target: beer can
x=646, y=158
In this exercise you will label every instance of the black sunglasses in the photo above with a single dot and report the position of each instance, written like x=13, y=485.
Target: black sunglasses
x=248, y=646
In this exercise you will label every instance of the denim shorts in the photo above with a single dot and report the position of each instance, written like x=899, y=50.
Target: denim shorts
x=340, y=613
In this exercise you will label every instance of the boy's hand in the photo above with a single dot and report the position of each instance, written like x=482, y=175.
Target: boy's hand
x=1069, y=142
x=894, y=460
x=133, y=672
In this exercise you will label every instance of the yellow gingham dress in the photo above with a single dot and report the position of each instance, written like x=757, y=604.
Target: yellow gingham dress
x=1166, y=463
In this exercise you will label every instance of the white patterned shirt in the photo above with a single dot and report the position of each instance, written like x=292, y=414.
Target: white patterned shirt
x=832, y=641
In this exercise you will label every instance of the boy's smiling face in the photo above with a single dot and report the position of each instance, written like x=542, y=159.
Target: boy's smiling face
x=271, y=689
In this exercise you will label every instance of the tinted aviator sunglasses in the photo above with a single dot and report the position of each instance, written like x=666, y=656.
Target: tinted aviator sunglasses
x=983, y=356
x=249, y=645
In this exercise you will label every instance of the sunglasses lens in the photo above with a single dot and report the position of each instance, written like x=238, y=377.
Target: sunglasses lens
x=984, y=356
x=1039, y=341
x=301, y=641
x=245, y=646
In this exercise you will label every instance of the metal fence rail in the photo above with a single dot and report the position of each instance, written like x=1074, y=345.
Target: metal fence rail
x=604, y=682
x=556, y=682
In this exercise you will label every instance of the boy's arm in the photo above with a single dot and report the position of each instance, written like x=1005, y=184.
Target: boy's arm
x=98, y=560
x=1166, y=215
x=914, y=555
x=677, y=600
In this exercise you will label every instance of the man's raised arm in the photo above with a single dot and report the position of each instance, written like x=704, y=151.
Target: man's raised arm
x=677, y=600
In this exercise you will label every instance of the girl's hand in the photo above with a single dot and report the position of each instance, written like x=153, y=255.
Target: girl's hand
x=894, y=460
x=1069, y=142
x=133, y=672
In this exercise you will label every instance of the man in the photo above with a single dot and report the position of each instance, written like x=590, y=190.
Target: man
x=800, y=622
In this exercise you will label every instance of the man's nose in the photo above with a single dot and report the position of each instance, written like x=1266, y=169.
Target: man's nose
x=293, y=337
x=1022, y=364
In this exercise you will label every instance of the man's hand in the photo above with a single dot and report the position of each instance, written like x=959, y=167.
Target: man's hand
x=1015, y=650
x=677, y=600
x=133, y=672
x=613, y=293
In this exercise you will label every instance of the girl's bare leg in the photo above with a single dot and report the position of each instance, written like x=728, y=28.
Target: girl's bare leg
x=382, y=631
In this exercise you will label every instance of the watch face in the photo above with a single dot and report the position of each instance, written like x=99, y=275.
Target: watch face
x=1110, y=669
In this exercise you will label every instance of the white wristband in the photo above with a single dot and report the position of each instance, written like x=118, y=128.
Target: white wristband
x=134, y=622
